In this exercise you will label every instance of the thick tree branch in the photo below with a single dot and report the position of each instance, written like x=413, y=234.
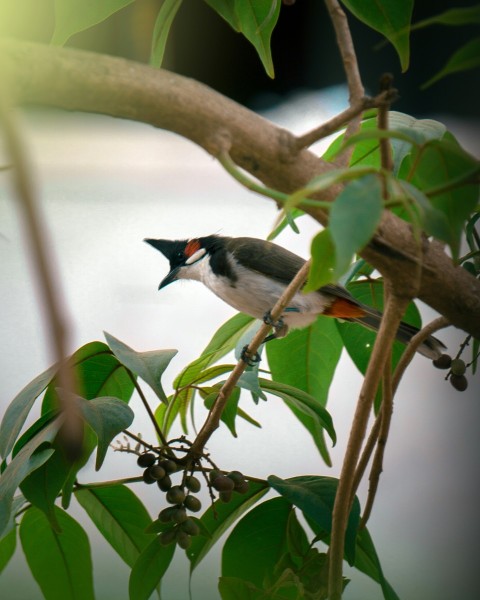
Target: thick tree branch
x=77, y=80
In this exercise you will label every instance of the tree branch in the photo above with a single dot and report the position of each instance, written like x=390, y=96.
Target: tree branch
x=77, y=80
x=393, y=312
x=213, y=419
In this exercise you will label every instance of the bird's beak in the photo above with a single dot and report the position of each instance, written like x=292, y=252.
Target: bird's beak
x=163, y=246
x=172, y=276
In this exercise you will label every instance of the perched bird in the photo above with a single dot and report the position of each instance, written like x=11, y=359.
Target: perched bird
x=251, y=274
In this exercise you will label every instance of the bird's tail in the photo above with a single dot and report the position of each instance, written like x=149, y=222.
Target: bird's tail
x=431, y=348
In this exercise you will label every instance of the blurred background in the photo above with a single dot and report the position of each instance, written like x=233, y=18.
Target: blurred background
x=105, y=184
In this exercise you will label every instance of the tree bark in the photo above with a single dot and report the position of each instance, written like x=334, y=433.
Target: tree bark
x=78, y=80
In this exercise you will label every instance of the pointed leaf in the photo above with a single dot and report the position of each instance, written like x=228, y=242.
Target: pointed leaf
x=257, y=542
x=391, y=18
x=467, y=57
x=120, y=517
x=303, y=402
x=323, y=261
x=435, y=164
x=60, y=562
x=149, y=569
x=219, y=517
x=72, y=16
x=256, y=19
x=315, y=497
x=41, y=487
x=354, y=218
x=366, y=560
x=467, y=15
x=107, y=417
x=7, y=548
x=306, y=359
x=97, y=372
x=229, y=413
x=163, y=23
x=147, y=365
x=30, y=457
x=17, y=411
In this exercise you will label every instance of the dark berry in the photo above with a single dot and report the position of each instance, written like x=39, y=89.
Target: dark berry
x=166, y=515
x=458, y=367
x=222, y=483
x=146, y=460
x=175, y=495
x=169, y=465
x=242, y=488
x=236, y=477
x=443, y=362
x=147, y=478
x=226, y=496
x=167, y=537
x=459, y=382
x=190, y=527
x=165, y=483
x=157, y=472
x=179, y=515
x=214, y=473
x=193, y=484
x=192, y=503
x=183, y=539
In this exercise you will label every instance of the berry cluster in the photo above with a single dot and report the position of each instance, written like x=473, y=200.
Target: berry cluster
x=456, y=373
x=179, y=525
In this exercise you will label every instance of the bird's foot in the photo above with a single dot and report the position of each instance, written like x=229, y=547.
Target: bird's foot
x=251, y=361
x=280, y=329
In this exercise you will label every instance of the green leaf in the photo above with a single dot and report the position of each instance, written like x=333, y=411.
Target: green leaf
x=366, y=560
x=149, y=569
x=306, y=359
x=163, y=23
x=60, y=562
x=96, y=372
x=358, y=339
x=147, y=365
x=288, y=219
x=315, y=497
x=303, y=402
x=226, y=338
x=257, y=542
x=17, y=411
x=323, y=261
x=297, y=541
x=389, y=17
x=7, y=548
x=30, y=457
x=431, y=168
x=72, y=16
x=465, y=58
x=107, y=417
x=234, y=588
x=120, y=517
x=354, y=218
x=467, y=15
x=256, y=19
x=229, y=413
x=42, y=486
x=219, y=517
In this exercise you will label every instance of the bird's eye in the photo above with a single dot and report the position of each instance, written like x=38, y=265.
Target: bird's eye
x=179, y=254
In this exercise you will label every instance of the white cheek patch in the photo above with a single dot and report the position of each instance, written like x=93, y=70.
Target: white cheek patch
x=196, y=256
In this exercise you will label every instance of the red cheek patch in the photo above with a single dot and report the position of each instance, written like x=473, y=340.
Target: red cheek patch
x=342, y=308
x=192, y=247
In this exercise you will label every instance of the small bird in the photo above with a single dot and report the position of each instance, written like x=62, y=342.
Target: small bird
x=251, y=274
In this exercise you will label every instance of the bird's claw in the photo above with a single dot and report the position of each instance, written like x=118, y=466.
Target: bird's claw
x=249, y=360
x=279, y=327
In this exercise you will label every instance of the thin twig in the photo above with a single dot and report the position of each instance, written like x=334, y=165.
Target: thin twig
x=386, y=418
x=382, y=121
x=151, y=416
x=413, y=346
x=213, y=420
x=71, y=432
x=394, y=310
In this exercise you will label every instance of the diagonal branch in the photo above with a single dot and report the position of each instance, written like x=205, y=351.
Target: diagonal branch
x=213, y=419
x=78, y=80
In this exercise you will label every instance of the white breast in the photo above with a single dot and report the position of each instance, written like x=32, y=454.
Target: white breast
x=255, y=294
